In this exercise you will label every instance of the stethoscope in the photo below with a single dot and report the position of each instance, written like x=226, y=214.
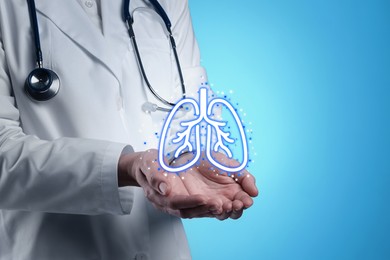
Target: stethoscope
x=43, y=84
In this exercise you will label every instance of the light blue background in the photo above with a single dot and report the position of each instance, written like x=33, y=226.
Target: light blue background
x=314, y=77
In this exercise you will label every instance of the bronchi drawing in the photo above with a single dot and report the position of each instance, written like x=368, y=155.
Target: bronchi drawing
x=203, y=111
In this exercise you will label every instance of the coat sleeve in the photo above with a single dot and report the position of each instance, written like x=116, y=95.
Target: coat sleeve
x=67, y=175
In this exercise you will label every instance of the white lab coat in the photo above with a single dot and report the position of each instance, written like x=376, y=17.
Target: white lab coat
x=58, y=159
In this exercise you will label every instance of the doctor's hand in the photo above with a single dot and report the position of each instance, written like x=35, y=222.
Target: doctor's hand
x=197, y=192
x=232, y=193
x=165, y=191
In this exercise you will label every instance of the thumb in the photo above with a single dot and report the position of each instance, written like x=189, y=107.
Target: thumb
x=156, y=178
x=162, y=188
x=248, y=184
x=159, y=183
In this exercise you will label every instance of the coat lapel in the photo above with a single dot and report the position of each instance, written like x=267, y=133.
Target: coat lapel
x=71, y=19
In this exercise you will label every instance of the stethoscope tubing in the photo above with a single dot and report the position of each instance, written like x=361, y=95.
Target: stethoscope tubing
x=35, y=28
x=128, y=19
x=41, y=90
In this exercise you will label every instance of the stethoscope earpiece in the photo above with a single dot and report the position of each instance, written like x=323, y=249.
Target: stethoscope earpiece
x=149, y=107
x=42, y=84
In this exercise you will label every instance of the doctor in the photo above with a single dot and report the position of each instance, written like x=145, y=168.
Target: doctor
x=70, y=165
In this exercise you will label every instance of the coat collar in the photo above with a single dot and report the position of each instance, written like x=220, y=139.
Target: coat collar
x=72, y=20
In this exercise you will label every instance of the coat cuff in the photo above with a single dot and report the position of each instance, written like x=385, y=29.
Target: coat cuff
x=115, y=200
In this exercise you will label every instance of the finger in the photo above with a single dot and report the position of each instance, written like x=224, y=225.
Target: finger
x=215, y=206
x=157, y=180
x=236, y=214
x=222, y=216
x=150, y=193
x=175, y=203
x=247, y=182
x=244, y=198
x=158, y=207
x=227, y=207
x=237, y=205
x=156, y=198
x=227, y=211
x=244, y=178
x=172, y=212
x=248, y=202
x=186, y=201
x=159, y=183
x=237, y=209
x=207, y=215
x=195, y=212
x=167, y=204
x=150, y=168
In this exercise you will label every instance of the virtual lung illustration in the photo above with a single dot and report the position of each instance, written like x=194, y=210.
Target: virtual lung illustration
x=190, y=137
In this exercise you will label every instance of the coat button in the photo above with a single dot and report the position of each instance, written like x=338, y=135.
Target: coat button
x=88, y=3
x=140, y=256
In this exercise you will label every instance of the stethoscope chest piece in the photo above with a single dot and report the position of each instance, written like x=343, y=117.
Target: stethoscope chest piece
x=42, y=84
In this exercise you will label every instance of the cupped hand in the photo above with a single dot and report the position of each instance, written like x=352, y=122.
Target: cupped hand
x=200, y=191
x=165, y=191
x=230, y=192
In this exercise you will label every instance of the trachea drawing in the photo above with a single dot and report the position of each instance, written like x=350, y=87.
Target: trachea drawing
x=189, y=139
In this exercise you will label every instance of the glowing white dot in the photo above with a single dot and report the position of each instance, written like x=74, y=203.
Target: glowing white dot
x=182, y=178
x=236, y=179
x=165, y=174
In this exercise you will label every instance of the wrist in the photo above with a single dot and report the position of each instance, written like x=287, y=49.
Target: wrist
x=127, y=167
